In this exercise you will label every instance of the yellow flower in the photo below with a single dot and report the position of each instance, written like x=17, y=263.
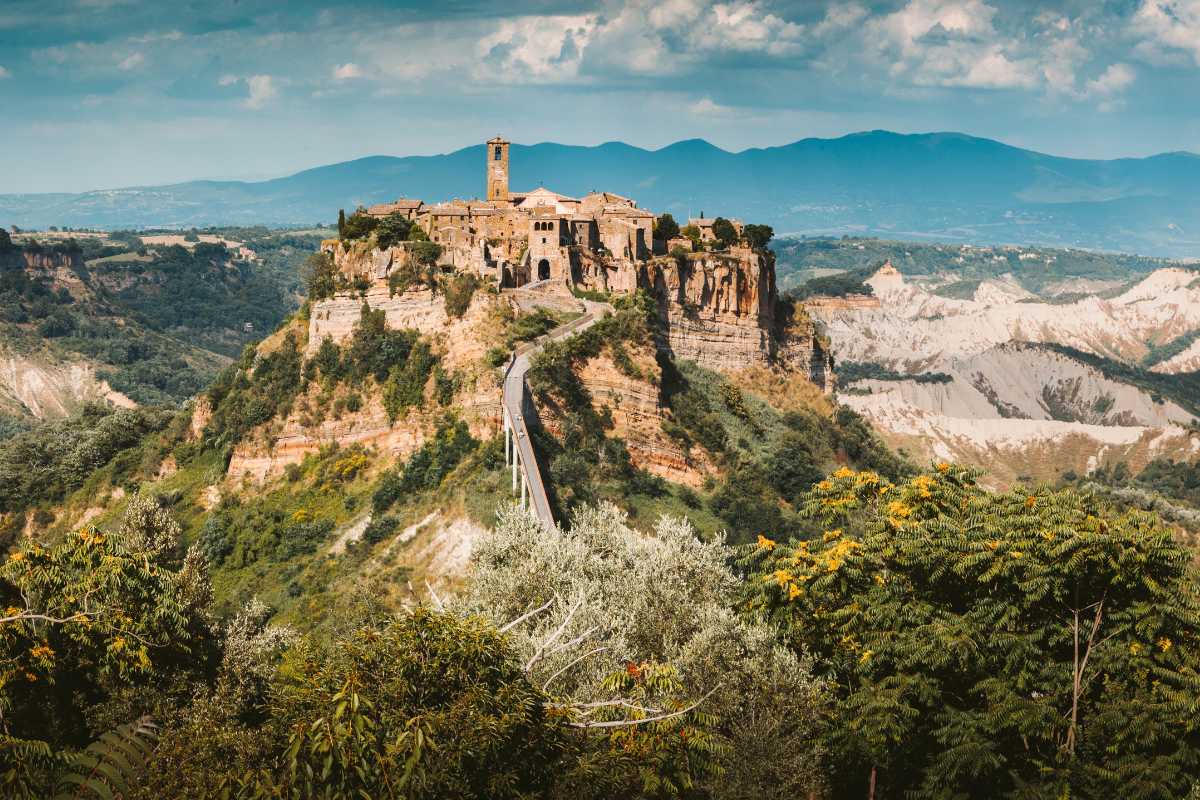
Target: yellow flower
x=1164, y=644
x=794, y=591
x=993, y=544
x=783, y=577
x=866, y=656
x=1016, y=553
x=923, y=482
x=879, y=579
x=1048, y=536
x=1135, y=648
x=831, y=535
x=17, y=556
x=764, y=543
x=1030, y=501
x=943, y=467
x=898, y=509
x=843, y=472
x=824, y=486
x=41, y=651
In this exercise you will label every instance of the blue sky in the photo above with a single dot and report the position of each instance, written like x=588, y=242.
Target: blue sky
x=108, y=93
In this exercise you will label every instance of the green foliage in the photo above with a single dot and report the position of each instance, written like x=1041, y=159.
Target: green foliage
x=458, y=291
x=374, y=349
x=1160, y=353
x=851, y=371
x=110, y=765
x=842, y=284
x=320, y=277
x=46, y=463
x=425, y=468
x=665, y=227
x=724, y=231
x=692, y=232
x=768, y=459
x=405, y=385
x=253, y=391
x=379, y=529
x=96, y=625
x=424, y=252
x=392, y=230
x=1026, y=644
x=646, y=617
x=1046, y=267
x=1182, y=387
x=758, y=236
x=359, y=225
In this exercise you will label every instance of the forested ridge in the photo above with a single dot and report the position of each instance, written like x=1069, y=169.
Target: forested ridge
x=157, y=321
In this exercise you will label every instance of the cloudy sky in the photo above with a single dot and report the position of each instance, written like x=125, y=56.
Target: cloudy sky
x=107, y=93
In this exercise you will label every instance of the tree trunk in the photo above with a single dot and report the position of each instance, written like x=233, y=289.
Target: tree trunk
x=871, y=786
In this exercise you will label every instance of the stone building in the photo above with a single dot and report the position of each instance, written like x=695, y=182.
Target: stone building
x=520, y=237
x=719, y=307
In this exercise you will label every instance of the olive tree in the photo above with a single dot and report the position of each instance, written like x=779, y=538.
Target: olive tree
x=600, y=598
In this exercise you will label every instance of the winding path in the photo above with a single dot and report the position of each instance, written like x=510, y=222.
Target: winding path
x=518, y=449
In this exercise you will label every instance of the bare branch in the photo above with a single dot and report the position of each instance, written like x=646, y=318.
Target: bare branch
x=30, y=615
x=625, y=723
x=437, y=601
x=577, y=640
x=526, y=616
x=572, y=663
x=549, y=640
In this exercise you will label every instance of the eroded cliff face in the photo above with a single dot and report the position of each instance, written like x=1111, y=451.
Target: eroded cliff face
x=721, y=310
x=637, y=413
x=44, y=388
x=312, y=424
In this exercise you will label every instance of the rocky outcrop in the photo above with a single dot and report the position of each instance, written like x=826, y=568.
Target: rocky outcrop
x=721, y=310
x=637, y=415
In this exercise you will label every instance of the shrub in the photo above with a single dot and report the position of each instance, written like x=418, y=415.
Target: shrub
x=379, y=529
x=458, y=291
x=425, y=468
x=359, y=225
x=391, y=230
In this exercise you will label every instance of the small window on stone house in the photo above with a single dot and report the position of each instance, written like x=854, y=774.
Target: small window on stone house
x=497, y=153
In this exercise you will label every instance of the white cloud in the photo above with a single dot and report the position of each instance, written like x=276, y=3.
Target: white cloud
x=638, y=38
x=347, y=71
x=949, y=43
x=262, y=90
x=705, y=107
x=535, y=49
x=1114, y=80
x=1166, y=26
x=132, y=61
x=4, y=73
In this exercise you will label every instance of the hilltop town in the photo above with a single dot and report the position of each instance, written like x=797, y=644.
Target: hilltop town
x=715, y=287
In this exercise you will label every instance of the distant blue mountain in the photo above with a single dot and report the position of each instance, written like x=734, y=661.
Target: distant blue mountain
x=923, y=186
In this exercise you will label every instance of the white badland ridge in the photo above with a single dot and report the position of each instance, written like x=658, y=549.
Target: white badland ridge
x=1011, y=406
x=914, y=328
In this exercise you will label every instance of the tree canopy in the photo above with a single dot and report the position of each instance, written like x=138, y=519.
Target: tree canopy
x=1025, y=644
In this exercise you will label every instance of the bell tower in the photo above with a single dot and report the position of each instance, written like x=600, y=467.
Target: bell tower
x=497, y=170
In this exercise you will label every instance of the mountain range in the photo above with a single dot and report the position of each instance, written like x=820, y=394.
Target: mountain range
x=946, y=186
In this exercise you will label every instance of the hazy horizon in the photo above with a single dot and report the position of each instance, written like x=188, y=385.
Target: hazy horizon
x=114, y=93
